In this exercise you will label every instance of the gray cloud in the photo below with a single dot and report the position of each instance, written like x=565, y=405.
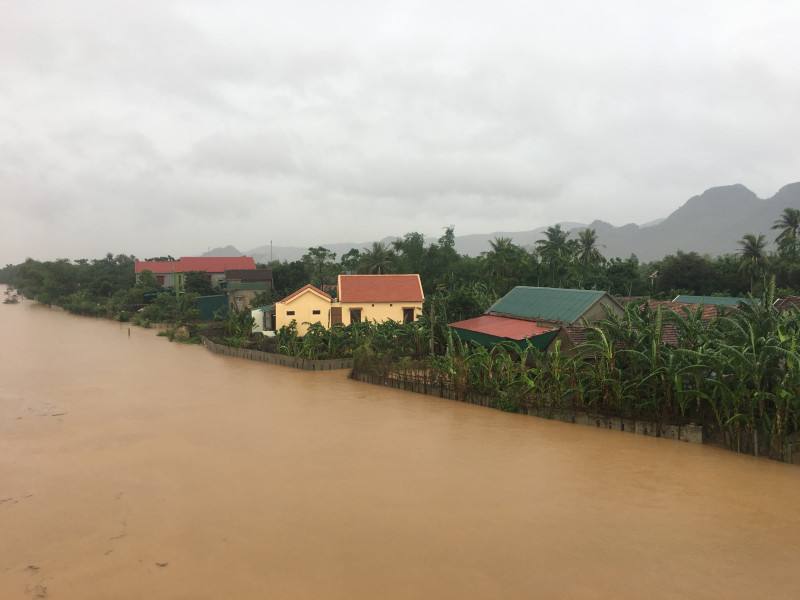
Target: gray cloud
x=169, y=127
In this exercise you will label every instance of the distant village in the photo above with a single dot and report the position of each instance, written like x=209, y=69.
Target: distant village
x=540, y=316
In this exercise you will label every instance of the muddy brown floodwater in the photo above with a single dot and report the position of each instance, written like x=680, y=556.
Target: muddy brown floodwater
x=134, y=468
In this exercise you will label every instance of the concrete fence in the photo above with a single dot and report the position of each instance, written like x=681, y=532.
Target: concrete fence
x=278, y=359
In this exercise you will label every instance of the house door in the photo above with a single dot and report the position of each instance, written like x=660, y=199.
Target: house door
x=336, y=315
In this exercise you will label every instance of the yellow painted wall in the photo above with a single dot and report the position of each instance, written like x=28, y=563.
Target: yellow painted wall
x=379, y=311
x=303, y=306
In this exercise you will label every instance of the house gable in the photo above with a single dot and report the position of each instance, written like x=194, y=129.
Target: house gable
x=307, y=305
x=306, y=289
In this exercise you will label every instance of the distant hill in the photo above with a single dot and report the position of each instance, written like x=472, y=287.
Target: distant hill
x=711, y=223
x=226, y=251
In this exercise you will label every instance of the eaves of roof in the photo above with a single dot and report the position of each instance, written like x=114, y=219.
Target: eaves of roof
x=503, y=327
x=308, y=288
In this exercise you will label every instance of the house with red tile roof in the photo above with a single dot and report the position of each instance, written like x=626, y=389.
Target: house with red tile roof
x=170, y=273
x=378, y=298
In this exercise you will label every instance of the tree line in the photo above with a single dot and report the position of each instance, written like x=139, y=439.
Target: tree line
x=560, y=261
x=107, y=286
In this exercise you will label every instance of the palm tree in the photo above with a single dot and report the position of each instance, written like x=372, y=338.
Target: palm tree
x=587, y=249
x=378, y=260
x=504, y=260
x=556, y=251
x=789, y=224
x=752, y=255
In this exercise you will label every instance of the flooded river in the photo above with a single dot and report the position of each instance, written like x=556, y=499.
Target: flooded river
x=134, y=468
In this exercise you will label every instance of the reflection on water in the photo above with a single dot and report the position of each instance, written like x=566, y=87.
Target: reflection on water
x=135, y=468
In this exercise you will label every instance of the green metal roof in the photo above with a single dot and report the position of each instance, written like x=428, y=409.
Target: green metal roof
x=551, y=304
x=715, y=300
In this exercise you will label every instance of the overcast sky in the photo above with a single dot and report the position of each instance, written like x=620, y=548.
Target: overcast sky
x=168, y=127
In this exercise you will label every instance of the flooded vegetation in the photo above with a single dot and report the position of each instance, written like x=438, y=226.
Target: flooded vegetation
x=131, y=467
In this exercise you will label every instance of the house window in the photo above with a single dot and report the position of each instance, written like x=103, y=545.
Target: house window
x=239, y=302
x=160, y=279
x=408, y=315
x=314, y=312
x=355, y=315
x=289, y=313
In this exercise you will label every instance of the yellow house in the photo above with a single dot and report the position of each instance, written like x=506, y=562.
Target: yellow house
x=378, y=298
x=306, y=305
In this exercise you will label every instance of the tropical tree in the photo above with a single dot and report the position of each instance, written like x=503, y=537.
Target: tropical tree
x=788, y=224
x=587, y=250
x=198, y=282
x=319, y=262
x=556, y=252
x=504, y=262
x=411, y=250
x=753, y=256
x=378, y=260
x=350, y=260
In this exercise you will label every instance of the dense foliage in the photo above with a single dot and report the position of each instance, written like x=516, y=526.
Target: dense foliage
x=737, y=375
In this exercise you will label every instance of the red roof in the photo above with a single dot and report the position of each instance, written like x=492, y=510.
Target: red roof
x=209, y=264
x=503, y=327
x=306, y=287
x=380, y=288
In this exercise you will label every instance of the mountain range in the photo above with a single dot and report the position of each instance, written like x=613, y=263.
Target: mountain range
x=711, y=223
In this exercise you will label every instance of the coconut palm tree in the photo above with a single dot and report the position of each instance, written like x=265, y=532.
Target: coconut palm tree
x=504, y=261
x=587, y=250
x=753, y=256
x=378, y=260
x=789, y=224
x=556, y=251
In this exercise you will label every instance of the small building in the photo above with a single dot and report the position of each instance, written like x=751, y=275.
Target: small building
x=378, y=298
x=307, y=305
x=170, y=273
x=263, y=319
x=241, y=285
x=542, y=315
x=555, y=305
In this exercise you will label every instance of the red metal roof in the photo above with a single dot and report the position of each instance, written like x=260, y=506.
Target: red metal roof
x=209, y=264
x=503, y=327
x=380, y=288
x=306, y=287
